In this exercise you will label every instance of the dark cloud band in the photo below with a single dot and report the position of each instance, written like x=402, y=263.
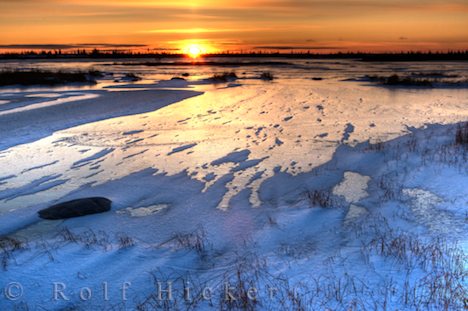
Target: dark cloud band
x=69, y=46
x=281, y=47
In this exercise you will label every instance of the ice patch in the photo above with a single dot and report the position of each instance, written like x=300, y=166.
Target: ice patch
x=143, y=211
x=422, y=199
x=353, y=187
x=424, y=208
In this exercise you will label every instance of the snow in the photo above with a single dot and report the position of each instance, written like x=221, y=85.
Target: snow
x=355, y=212
x=207, y=179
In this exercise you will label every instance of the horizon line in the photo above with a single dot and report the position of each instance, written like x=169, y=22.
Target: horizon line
x=90, y=51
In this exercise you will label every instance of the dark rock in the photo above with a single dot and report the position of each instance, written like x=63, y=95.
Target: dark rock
x=76, y=208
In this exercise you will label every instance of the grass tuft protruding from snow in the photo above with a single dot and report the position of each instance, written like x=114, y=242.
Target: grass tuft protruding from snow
x=461, y=136
x=267, y=76
x=9, y=245
x=195, y=241
x=321, y=198
x=223, y=77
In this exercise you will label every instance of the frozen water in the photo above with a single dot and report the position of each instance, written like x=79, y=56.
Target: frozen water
x=353, y=187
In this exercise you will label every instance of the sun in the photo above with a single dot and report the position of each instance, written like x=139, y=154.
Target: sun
x=194, y=50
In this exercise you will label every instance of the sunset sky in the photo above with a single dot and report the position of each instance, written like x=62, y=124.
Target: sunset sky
x=274, y=25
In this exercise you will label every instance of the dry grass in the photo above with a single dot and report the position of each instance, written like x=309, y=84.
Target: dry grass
x=321, y=198
x=461, y=135
x=267, y=76
x=223, y=77
x=8, y=246
x=395, y=80
x=92, y=240
x=124, y=240
x=41, y=77
x=196, y=241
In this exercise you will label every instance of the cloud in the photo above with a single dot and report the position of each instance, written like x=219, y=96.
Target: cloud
x=204, y=30
x=68, y=46
x=164, y=49
x=282, y=47
x=112, y=45
x=261, y=23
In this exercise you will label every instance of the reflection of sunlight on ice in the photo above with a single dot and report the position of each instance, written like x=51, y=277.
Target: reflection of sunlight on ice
x=294, y=127
x=73, y=97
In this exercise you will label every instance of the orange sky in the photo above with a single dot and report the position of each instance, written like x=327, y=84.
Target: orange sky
x=317, y=25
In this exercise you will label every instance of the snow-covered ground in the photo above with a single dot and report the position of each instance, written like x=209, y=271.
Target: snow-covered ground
x=308, y=194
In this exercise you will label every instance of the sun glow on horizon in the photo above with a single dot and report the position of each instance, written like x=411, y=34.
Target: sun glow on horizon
x=194, y=50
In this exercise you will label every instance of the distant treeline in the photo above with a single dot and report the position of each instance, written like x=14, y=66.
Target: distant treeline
x=364, y=56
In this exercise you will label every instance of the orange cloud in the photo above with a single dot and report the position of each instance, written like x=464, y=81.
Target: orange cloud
x=241, y=24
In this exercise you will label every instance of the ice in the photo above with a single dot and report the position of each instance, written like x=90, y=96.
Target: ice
x=60, y=101
x=75, y=110
x=143, y=211
x=38, y=185
x=424, y=206
x=353, y=187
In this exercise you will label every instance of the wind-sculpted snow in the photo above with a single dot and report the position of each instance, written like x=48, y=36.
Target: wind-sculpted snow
x=223, y=132
x=294, y=229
